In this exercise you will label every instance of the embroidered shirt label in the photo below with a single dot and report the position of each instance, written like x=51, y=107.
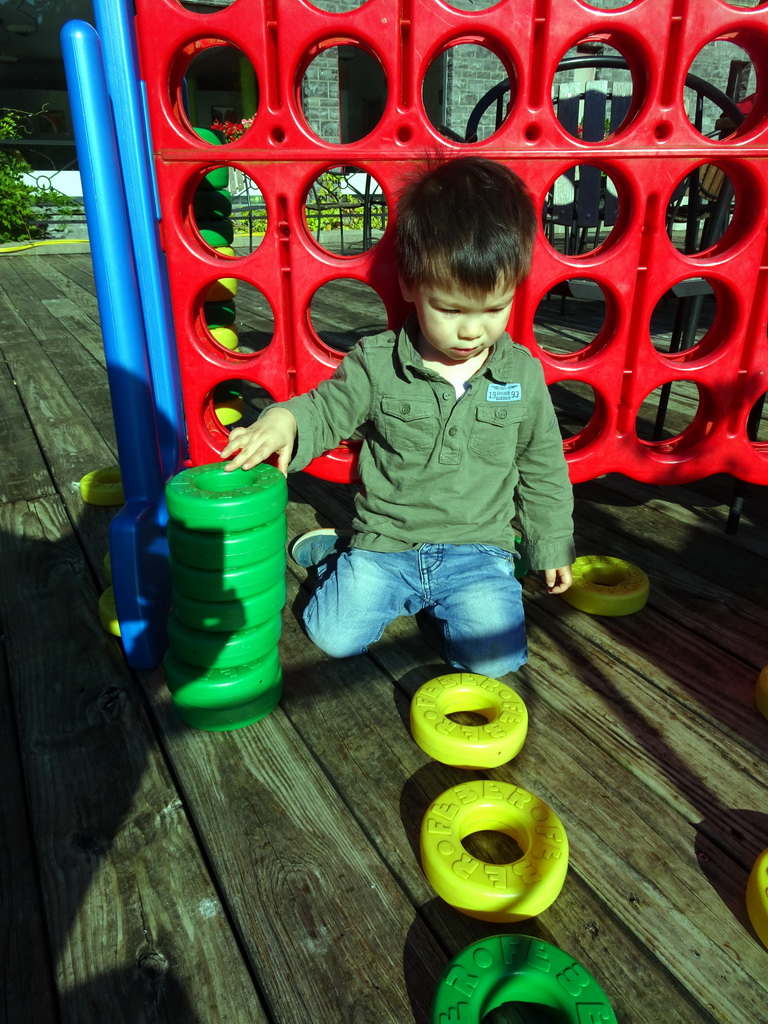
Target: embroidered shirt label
x=504, y=392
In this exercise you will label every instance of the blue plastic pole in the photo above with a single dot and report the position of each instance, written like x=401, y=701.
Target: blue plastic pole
x=115, y=26
x=137, y=535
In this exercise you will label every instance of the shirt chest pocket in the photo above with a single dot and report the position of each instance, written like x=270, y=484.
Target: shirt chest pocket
x=409, y=424
x=494, y=430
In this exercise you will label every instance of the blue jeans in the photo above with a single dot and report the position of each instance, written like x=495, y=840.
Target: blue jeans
x=469, y=590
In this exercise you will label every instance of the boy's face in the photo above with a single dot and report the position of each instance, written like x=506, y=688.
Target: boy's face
x=455, y=325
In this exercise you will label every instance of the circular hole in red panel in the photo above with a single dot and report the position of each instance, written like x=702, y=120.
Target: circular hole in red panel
x=576, y=407
x=236, y=316
x=721, y=75
x=608, y=5
x=343, y=91
x=676, y=416
x=214, y=86
x=757, y=422
x=345, y=310
x=472, y=5
x=233, y=403
x=345, y=211
x=337, y=6
x=682, y=321
x=704, y=205
x=580, y=210
x=570, y=316
x=592, y=91
x=205, y=6
x=228, y=211
x=239, y=322
x=466, y=91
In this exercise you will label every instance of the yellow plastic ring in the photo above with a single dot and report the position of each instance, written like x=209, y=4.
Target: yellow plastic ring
x=468, y=746
x=221, y=290
x=230, y=410
x=108, y=612
x=494, y=892
x=103, y=487
x=603, y=585
x=757, y=897
x=761, y=692
x=228, y=337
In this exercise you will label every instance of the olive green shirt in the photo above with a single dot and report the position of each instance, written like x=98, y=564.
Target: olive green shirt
x=437, y=469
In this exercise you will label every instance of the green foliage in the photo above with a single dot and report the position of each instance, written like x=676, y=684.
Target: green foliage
x=23, y=207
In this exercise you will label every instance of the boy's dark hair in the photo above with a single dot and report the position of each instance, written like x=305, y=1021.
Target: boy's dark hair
x=468, y=221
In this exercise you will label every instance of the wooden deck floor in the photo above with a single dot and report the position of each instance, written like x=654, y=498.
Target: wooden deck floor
x=151, y=872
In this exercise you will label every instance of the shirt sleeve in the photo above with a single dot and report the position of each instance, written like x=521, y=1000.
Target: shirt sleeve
x=544, y=498
x=333, y=410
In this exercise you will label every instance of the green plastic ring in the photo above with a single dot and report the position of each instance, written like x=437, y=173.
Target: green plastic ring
x=221, y=314
x=210, y=203
x=217, y=232
x=215, y=180
x=518, y=969
x=227, y=616
x=228, y=585
x=212, y=549
x=218, y=699
x=212, y=135
x=209, y=498
x=222, y=650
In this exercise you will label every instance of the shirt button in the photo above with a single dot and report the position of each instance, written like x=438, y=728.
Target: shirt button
x=447, y=395
x=405, y=408
x=453, y=431
x=501, y=414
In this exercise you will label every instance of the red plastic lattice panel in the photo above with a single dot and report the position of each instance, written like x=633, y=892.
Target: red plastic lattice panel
x=654, y=150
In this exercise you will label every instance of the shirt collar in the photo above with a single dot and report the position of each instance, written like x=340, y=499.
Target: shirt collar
x=498, y=366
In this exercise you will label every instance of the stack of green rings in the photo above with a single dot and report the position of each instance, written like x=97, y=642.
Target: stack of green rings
x=226, y=535
x=213, y=203
x=213, y=214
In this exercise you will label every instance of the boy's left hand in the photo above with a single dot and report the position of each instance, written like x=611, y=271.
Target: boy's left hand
x=558, y=580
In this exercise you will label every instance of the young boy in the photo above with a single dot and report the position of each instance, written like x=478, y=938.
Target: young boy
x=459, y=435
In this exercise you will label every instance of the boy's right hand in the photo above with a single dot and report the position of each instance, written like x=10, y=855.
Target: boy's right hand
x=273, y=432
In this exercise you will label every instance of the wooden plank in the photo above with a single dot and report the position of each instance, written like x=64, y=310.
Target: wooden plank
x=136, y=924
x=695, y=601
x=73, y=275
x=27, y=993
x=716, y=555
x=388, y=782
x=73, y=342
x=24, y=472
x=71, y=281
x=327, y=928
x=632, y=850
x=658, y=722
x=642, y=831
x=72, y=444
